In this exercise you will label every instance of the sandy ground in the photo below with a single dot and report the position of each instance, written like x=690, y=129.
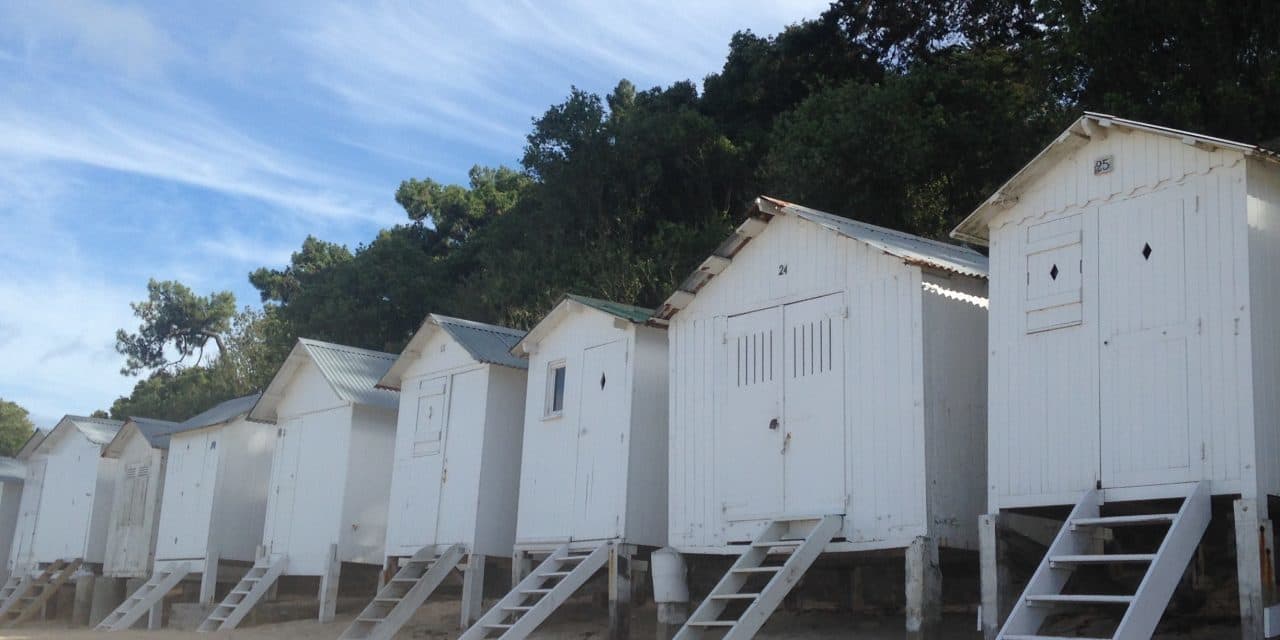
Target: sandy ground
x=438, y=621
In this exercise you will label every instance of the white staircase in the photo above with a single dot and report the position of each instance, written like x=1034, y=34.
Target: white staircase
x=11, y=587
x=543, y=591
x=240, y=601
x=399, y=598
x=28, y=600
x=777, y=538
x=140, y=603
x=1071, y=549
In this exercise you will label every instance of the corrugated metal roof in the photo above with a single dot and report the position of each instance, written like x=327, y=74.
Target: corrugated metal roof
x=352, y=373
x=625, y=311
x=974, y=227
x=904, y=246
x=485, y=343
x=12, y=470
x=225, y=411
x=156, y=432
x=96, y=430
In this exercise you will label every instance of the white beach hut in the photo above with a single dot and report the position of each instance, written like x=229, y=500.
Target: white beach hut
x=827, y=395
x=11, y=505
x=140, y=450
x=593, y=474
x=457, y=466
x=1133, y=359
x=213, y=507
x=330, y=473
x=67, y=494
x=13, y=473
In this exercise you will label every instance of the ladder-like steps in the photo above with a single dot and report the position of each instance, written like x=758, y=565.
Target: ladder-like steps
x=394, y=604
x=17, y=587
x=32, y=600
x=1073, y=547
x=762, y=602
x=540, y=593
x=242, y=598
x=142, y=600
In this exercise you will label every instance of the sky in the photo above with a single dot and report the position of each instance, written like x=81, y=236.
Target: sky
x=199, y=141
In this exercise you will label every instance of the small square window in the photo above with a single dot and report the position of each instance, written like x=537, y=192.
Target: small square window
x=555, y=389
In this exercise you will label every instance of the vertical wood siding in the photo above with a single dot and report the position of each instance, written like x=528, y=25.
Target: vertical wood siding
x=1264, y=295
x=884, y=438
x=1046, y=376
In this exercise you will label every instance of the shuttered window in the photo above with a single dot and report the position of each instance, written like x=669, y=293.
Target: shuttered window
x=1054, y=274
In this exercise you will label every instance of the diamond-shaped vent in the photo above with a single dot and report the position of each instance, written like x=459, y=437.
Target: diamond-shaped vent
x=1146, y=251
x=601, y=380
x=1053, y=273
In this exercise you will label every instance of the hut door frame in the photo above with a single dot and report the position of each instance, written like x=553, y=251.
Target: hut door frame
x=1147, y=332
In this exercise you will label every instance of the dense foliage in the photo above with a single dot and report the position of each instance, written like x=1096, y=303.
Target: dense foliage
x=15, y=427
x=905, y=113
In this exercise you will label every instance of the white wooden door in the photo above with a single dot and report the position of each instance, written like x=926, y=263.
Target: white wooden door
x=131, y=517
x=457, y=474
x=813, y=407
x=1145, y=328
x=599, y=497
x=749, y=433
x=284, y=477
x=187, y=506
x=21, y=556
x=427, y=459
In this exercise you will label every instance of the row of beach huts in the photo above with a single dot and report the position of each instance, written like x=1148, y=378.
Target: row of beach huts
x=819, y=392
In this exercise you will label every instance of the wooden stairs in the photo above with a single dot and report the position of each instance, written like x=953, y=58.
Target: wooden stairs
x=737, y=588
x=1072, y=548
x=543, y=591
x=31, y=595
x=398, y=599
x=11, y=587
x=241, y=600
x=142, y=600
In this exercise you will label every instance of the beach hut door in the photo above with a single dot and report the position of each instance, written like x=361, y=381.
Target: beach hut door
x=602, y=443
x=813, y=407
x=1146, y=333
x=749, y=434
x=30, y=513
x=284, y=480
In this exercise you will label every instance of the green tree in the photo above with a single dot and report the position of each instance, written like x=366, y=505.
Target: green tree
x=173, y=317
x=15, y=427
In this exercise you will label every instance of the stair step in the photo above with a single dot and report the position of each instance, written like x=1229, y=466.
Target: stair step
x=712, y=623
x=533, y=591
x=497, y=625
x=404, y=579
x=519, y=607
x=735, y=596
x=1115, y=558
x=369, y=619
x=767, y=544
x=554, y=574
x=1033, y=637
x=573, y=558
x=757, y=569
x=219, y=619
x=1059, y=598
x=381, y=599
x=1125, y=521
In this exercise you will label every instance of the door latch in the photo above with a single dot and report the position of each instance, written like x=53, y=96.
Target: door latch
x=773, y=424
x=786, y=441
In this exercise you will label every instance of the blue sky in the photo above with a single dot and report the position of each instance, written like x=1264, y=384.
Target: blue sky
x=199, y=141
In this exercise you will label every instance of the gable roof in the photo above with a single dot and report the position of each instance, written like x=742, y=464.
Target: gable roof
x=220, y=413
x=352, y=374
x=31, y=444
x=156, y=432
x=485, y=343
x=98, y=431
x=573, y=302
x=909, y=248
x=974, y=228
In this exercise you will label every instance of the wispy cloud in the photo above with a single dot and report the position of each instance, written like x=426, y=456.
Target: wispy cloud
x=115, y=36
